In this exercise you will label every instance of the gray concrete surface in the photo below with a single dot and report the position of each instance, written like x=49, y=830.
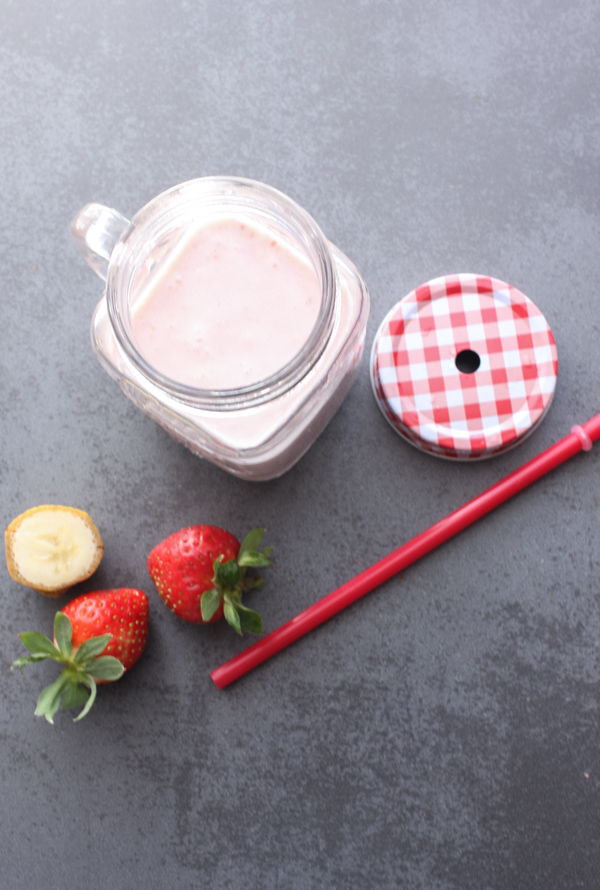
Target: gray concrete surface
x=442, y=734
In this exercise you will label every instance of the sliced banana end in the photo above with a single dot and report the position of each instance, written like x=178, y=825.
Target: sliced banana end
x=51, y=548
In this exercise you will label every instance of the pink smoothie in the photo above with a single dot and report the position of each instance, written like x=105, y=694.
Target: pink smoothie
x=231, y=306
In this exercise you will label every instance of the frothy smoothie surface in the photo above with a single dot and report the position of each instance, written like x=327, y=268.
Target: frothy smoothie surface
x=232, y=305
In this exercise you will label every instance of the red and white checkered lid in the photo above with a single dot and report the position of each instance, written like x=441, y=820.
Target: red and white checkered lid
x=464, y=366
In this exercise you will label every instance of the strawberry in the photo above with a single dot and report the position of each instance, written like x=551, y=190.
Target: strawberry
x=97, y=636
x=200, y=573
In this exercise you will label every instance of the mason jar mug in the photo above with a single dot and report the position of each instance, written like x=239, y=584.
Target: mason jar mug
x=228, y=318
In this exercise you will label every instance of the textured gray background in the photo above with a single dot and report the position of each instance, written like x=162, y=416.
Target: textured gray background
x=443, y=734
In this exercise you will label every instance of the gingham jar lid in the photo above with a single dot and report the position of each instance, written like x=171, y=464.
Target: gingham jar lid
x=464, y=366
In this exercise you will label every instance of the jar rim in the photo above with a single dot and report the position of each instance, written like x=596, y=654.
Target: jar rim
x=239, y=194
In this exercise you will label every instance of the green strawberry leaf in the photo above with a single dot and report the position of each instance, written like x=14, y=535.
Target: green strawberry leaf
x=91, y=648
x=63, y=634
x=91, y=684
x=228, y=574
x=28, y=659
x=250, y=583
x=107, y=667
x=38, y=644
x=232, y=616
x=209, y=603
x=76, y=695
x=251, y=541
x=249, y=619
x=49, y=700
x=256, y=558
x=76, y=685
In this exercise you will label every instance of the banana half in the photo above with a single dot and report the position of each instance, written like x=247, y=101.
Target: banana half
x=51, y=548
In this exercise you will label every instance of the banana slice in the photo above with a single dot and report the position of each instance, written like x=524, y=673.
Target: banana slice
x=51, y=548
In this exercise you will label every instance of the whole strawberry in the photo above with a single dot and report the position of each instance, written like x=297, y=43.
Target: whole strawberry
x=200, y=573
x=97, y=637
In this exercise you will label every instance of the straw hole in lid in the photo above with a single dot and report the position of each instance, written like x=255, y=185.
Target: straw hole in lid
x=467, y=361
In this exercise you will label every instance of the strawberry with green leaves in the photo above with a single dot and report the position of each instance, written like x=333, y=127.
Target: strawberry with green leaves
x=97, y=637
x=200, y=573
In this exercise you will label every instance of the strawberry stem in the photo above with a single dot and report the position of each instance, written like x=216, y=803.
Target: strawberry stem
x=230, y=582
x=76, y=684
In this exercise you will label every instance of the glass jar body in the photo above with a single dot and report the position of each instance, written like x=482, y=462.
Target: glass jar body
x=258, y=431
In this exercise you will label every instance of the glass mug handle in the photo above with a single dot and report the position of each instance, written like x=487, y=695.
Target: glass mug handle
x=95, y=231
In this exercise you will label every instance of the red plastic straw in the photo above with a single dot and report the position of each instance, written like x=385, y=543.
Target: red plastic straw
x=579, y=438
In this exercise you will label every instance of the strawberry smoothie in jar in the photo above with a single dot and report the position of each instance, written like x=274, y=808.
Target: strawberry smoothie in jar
x=228, y=318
